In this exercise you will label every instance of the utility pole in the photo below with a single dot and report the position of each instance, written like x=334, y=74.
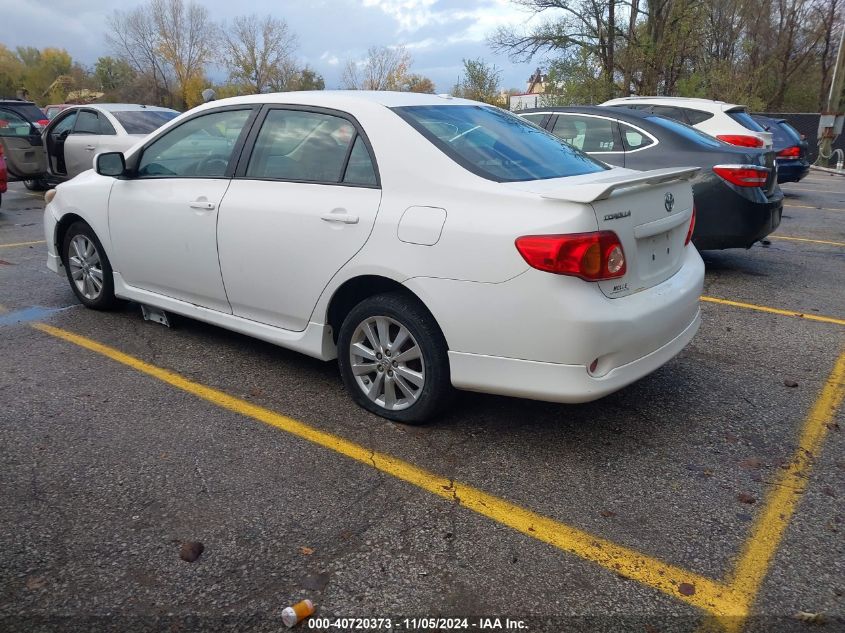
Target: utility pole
x=830, y=121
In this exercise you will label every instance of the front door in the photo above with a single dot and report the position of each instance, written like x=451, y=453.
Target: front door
x=21, y=146
x=163, y=222
x=83, y=143
x=302, y=206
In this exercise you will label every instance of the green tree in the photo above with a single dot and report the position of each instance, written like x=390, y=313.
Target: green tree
x=480, y=81
x=113, y=74
x=306, y=79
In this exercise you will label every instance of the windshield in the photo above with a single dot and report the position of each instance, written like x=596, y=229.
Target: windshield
x=143, y=121
x=497, y=145
x=744, y=119
x=687, y=131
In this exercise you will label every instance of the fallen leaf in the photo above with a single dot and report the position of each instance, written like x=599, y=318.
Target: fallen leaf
x=790, y=383
x=744, y=497
x=829, y=491
x=607, y=513
x=752, y=463
x=35, y=582
x=306, y=550
x=191, y=550
x=686, y=589
x=255, y=392
x=730, y=437
x=810, y=618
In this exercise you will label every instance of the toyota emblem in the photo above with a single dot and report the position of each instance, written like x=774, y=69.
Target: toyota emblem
x=669, y=203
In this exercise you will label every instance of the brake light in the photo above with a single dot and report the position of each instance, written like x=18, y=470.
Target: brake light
x=790, y=152
x=590, y=256
x=691, y=227
x=743, y=175
x=43, y=122
x=742, y=140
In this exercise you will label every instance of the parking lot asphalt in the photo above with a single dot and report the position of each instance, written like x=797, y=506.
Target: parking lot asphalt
x=709, y=489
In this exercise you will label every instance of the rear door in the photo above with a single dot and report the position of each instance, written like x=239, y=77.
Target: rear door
x=596, y=135
x=301, y=205
x=21, y=145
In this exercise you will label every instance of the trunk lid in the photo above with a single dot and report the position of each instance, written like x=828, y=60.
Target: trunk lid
x=649, y=211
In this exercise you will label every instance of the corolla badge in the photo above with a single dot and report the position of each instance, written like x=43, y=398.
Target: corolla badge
x=669, y=202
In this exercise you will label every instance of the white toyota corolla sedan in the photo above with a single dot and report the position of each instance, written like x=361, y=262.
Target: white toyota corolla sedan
x=425, y=242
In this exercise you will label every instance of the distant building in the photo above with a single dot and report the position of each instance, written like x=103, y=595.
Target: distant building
x=531, y=97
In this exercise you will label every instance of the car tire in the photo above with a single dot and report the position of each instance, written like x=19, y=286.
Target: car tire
x=87, y=266
x=404, y=380
x=36, y=184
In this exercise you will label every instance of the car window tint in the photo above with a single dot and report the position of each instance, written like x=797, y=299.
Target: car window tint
x=87, y=123
x=12, y=124
x=65, y=124
x=302, y=146
x=143, y=121
x=589, y=134
x=199, y=148
x=360, y=170
x=791, y=135
x=744, y=119
x=536, y=119
x=496, y=144
x=633, y=138
x=106, y=128
x=697, y=116
x=670, y=112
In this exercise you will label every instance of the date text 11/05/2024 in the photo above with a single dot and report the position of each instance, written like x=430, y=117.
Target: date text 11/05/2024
x=415, y=624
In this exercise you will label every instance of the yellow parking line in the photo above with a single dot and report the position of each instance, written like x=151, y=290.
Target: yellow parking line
x=784, y=495
x=804, y=239
x=804, y=206
x=704, y=593
x=22, y=244
x=791, y=313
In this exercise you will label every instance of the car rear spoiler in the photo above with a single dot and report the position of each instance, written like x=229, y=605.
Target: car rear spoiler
x=601, y=189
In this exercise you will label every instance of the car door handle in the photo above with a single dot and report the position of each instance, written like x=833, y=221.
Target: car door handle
x=90, y=148
x=342, y=218
x=205, y=205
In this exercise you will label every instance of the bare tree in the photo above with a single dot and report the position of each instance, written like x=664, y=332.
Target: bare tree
x=133, y=37
x=258, y=53
x=186, y=39
x=383, y=69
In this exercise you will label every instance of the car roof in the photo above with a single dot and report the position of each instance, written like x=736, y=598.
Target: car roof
x=709, y=104
x=122, y=107
x=344, y=98
x=616, y=113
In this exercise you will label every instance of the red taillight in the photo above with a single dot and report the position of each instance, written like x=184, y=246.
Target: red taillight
x=743, y=175
x=43, y=122
x=790, y=152
x=691, y=227
x=742, y=140
x=590, y=256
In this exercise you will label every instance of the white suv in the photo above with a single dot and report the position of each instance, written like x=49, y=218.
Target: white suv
x=726, y=121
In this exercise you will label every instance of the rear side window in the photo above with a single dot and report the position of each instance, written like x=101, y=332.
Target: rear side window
x=697, y=116
x=744, y=119
x=87, y=123
x=589, y=134
x=687, y=131
x=633, y=139
x=497, y=145
x=28, y=111
x=359, y=170
x=301, y=146
x=670, y=112
x=536, y=118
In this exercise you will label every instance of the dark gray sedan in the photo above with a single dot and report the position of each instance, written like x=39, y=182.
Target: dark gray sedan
x=737, y=199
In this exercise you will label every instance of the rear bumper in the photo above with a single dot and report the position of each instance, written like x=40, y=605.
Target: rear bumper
x=554, y=382
x=732, y=220
x=792, y=170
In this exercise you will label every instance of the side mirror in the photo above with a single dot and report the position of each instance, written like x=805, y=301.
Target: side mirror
x=110, y=164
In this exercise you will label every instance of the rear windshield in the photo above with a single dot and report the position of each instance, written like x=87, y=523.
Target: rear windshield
x=497, y=145
x=27, y=110
x=744, y=119
x=688, y=132
x=791, y=135
x=143, y=121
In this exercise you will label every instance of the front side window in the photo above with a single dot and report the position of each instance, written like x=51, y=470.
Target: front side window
x=12, y=124
x=497, y=145
x=65, y=124
x=199, y=148
x=87, y=123
x=301, y=146
x=589, y=134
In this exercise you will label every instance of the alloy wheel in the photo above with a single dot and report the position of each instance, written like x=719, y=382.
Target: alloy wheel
x=85, y=267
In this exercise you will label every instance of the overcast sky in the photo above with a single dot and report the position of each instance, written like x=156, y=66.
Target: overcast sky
x=438, y=33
